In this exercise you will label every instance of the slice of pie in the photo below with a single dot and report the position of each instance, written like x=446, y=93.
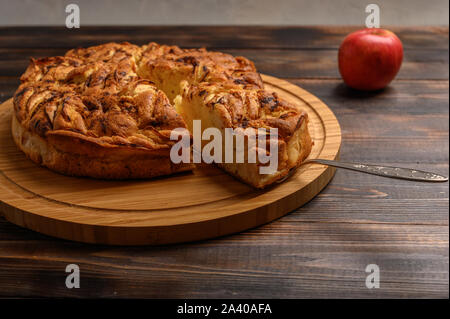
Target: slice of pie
x=224, y=105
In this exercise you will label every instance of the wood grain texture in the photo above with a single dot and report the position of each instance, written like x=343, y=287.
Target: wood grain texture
x=185, y=207
x=419, y=63
x=319, y=250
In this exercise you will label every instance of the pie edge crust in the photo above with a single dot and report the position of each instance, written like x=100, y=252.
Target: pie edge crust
x=117, y=163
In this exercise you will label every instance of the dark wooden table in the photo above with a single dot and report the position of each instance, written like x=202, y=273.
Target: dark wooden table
x=319, y=250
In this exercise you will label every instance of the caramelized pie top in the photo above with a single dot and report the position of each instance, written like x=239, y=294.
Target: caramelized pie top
x=111, y=94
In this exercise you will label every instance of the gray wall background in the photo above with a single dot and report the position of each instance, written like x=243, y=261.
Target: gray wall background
x=224, y=12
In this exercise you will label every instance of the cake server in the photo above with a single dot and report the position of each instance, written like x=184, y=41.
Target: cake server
x=386, y=171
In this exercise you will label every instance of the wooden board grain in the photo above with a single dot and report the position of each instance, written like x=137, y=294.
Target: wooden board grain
x=191, y=206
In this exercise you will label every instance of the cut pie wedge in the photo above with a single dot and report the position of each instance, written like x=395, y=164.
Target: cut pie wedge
x=247, y=111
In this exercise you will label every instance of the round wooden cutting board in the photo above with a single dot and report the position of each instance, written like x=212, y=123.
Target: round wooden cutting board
x=190, y=206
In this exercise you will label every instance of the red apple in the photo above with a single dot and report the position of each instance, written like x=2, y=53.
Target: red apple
x=369, y=59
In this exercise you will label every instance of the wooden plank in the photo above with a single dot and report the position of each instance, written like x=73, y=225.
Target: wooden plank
x=8, y=85
x=418, y=64
x=400, y=97
x=359, y=198
x=219, y=37
x=279, y=260
x=402, y=124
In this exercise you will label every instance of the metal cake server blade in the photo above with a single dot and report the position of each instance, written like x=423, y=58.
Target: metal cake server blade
x=386, y=171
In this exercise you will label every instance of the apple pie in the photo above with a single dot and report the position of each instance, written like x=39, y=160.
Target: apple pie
x=108, y=111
